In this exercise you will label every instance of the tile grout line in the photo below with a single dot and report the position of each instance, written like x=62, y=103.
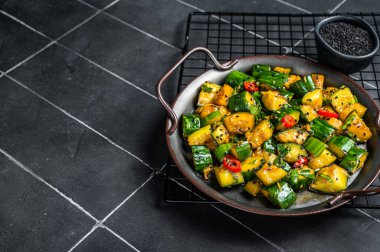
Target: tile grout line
x=126, y=199
x=121, y=238
x=132, y=26
x=234, y=219
x=55, y=41
x=52, y=41
x=24, y=24
x=139, y=30
x=161, y=169
x=84, y=237
x=143, y=32
x=30, y=57
x=79, y=121
x=96, y=226
x=312, y=29
x=365, y=82
x=30, y=172
x=294, y=6
x=235, y=25
x=368, y=215
x=337, y=6
x=98, y=223
x=250, y=229
x=106, y=70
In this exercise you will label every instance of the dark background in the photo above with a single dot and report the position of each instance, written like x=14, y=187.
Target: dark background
x=81, y=134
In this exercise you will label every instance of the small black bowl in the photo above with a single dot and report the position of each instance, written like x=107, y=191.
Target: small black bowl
x=343, y=62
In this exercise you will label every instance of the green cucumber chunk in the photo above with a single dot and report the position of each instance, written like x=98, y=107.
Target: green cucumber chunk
x=279, y=162
x=201, y=157
x=291, y=152
x=321, y=129
x=259, y=69
x=340, y=145
x=221, y=151
x=243, y=102
x=354, y=160
x=300, y=179
x=301, y=87
x=241, y=151
x=205, y=121
x=281, y=195
x=295, y=103
x=250, y=166
x=273, y=79
x=287, y=94
x=270, y=146
x=314, y=146
x=236, y=79
x=190, y=123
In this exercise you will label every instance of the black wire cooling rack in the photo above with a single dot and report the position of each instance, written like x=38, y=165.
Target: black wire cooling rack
x=236, y=35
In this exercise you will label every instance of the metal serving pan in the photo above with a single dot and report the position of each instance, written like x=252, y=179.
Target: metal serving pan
x=307, y=202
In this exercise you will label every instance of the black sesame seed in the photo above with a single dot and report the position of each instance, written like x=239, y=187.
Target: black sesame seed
x=347, y=38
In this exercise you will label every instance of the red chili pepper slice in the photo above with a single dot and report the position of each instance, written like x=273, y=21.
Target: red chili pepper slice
x=302, y=161
x=231, y=163
x=288, y=121
x=327, y=113
x=250, y=86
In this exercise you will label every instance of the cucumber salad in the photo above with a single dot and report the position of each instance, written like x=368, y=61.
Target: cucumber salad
x=275, y=133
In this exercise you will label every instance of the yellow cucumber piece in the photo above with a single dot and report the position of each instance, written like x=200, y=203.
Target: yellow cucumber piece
x=223, y=95
x=226, y=178
x=270, y=174
x=331, y=179
x=261, y=133
x=313, y=98
x=239, y=123
x=208, y=93
x=272, y=100
x=200, y=136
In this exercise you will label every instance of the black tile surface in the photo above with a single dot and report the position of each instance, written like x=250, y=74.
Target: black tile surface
x=268, y=6
x=360, y=6
x=82, y=165
x=99, y=3
x=99, y=99
x=17, y=42
x=312, y=7
x=123, y=50
x=151, y=225
x=102, y=240
x=51, y=17
x=339, y=230
x=33, y=217
x=163, y=22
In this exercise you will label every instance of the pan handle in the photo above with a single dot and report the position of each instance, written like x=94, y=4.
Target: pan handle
x=172, y=115
x=378, y=120
x=350, y=194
